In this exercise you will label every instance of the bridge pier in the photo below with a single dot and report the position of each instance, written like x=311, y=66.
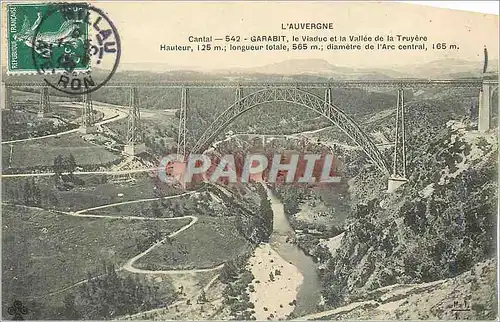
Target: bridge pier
x=328, y=101
x=44, y=107
x=6, y=97
x=239, y=94
x=181, y=138
x=483, y=118
x=88, y=117
x=398, y=176
x=134, y=149
x=135, y=144
x=394, y=183
x=328, y=97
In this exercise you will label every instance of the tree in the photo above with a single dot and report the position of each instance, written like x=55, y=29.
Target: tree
x=64, y=164
x=27, y=193
x=266, y=213
x=71, y=164
x=32, y=195
x=37, y=194
x=58, y=164
x=203, y=297
x=69, y=310
x=107, y=296
x=155, y=209
x=229, y=272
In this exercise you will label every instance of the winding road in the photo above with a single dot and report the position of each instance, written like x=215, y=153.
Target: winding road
x=48, y=174
x=129, y=265
x=111, y=114
x=114, y=113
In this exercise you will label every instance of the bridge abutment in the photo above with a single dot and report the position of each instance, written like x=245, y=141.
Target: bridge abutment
x=394, y=183
x=484, y=120
x=134, y=149
x=44, y=108
x=6, y=97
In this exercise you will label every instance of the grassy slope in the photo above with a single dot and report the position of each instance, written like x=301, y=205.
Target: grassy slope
x=23, y=117
x=210, y=242
x=44, y=251
x=91, y=194
x=42, y=152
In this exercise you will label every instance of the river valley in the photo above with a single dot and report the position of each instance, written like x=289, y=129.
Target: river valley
x=282, y=241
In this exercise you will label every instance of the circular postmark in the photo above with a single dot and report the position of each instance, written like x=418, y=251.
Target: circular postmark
x=71, y=39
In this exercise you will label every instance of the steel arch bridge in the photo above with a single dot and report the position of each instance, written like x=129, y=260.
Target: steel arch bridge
x=301, y=98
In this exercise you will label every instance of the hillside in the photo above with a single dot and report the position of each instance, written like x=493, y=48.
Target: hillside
x=291, y=69
x=468, y=296
x=435, y=227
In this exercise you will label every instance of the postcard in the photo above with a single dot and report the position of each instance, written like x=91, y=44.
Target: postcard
x=248, y=160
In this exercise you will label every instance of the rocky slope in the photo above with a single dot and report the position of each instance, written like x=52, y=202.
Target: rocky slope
x=434, y=227
x=469, y=296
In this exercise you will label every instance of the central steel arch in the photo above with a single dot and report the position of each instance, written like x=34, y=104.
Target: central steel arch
x=299, y=97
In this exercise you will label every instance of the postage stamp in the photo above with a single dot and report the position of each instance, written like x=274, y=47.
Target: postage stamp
x=62, y=42
x=40, y=35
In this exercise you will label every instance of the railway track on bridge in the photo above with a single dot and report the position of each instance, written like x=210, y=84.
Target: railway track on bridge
x=381, y=83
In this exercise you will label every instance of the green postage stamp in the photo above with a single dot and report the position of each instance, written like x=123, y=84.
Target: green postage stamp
x=46, y=38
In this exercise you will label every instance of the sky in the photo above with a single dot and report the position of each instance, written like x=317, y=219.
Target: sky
x=144, y=26
x=476, y=6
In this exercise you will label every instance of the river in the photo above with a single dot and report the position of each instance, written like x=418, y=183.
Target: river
x=309, y=291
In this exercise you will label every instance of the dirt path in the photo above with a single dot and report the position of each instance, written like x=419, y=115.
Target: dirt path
x=48, y=174
x=111, y=114
x=128, y=266
x=79, y=212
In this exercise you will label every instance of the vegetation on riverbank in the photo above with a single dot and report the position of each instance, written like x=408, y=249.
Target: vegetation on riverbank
x=436, y=226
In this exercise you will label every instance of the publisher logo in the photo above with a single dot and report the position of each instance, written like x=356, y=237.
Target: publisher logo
x=271, y=168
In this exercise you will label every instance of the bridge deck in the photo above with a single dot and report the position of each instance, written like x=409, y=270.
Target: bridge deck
x=392, y=83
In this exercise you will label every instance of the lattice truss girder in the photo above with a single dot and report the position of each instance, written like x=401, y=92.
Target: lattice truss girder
x=295, y=96
x=134, y=129
x=409, y=84
x=88, y=111
x=239, y=94
x=399, y=161
x=44, y=100
x=181, y=136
